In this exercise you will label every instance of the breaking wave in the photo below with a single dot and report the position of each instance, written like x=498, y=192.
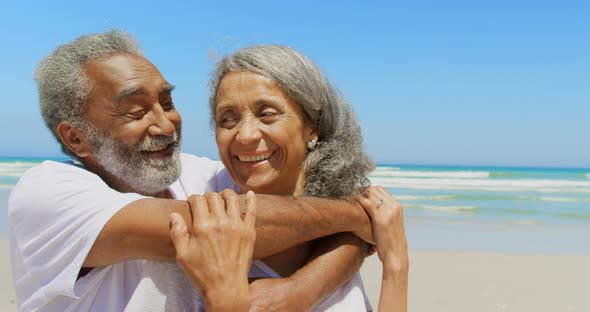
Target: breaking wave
x=444, y=208
x=15, y=169
x=432, y=174
x=503, y=185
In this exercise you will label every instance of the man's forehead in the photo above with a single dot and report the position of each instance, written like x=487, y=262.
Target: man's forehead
x=127, y=74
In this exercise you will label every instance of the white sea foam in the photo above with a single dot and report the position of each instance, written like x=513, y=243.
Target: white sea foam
x=565, y=199
x=379, y=169
x=550, y=186
x=414, y=197
x=444, y=208
x=554, y=199
x=433, y=174
x=15, y=169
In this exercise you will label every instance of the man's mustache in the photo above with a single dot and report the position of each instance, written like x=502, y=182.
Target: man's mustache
x=154, y=143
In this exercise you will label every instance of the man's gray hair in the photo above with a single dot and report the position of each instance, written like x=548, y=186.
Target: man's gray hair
x=338, y=166
x=62, y=82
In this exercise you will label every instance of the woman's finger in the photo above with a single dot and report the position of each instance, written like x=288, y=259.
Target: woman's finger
x=367, y=204
x=375, y=195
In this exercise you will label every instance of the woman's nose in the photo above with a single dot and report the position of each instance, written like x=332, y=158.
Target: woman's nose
x=248, y=131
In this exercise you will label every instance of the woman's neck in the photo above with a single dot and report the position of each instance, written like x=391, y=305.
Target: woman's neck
x=294, y=189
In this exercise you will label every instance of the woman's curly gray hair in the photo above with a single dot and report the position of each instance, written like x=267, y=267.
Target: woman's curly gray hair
x=338, y=166
x=63, y=85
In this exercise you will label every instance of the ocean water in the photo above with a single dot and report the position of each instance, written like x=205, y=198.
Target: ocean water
x=499, y=208
x=507, y=209
x=495, y=195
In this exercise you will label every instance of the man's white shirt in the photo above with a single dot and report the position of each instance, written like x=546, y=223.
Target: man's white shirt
x=56, y=212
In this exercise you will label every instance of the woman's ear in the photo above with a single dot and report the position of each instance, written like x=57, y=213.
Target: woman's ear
x=74, y=139
x=313, y=133
x=313, y=139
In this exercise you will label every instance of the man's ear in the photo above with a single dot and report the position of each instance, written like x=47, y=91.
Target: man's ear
x=74, y=139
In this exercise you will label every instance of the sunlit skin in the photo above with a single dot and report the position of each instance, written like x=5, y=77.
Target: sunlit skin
x=254, y=118
x=130, y=100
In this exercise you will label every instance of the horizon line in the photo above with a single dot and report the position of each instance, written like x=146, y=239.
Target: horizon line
x=378, y=163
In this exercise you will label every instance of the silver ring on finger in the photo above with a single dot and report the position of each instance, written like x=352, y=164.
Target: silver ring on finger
x=379, y=203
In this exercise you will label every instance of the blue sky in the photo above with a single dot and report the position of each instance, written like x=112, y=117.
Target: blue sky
x=435, y=82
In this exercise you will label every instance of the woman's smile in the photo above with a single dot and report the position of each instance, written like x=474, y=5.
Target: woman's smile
x=254, y=158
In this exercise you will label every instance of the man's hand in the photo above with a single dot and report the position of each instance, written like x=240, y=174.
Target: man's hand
x=216, y=250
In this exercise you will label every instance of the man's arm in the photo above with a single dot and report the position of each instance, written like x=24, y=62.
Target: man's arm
x=334, y=261
x=140, y=230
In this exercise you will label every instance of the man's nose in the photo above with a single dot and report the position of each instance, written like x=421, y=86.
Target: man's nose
x=248, y=132
x=161, y=123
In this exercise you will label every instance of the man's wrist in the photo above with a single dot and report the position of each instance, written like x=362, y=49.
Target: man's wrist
x=351, y=217
x=358, y=222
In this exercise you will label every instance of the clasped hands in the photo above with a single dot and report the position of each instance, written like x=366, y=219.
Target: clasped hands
x=215, y=251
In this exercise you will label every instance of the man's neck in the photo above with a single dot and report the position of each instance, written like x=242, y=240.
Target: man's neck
x=120, y=186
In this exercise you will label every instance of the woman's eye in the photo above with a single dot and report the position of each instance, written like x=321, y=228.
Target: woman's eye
x=226, y=122
x=268, y=115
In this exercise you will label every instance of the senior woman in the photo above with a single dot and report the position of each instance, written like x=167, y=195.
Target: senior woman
x=281, y=129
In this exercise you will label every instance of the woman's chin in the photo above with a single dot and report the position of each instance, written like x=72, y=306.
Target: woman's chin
x=256, y=187
x=273, y=188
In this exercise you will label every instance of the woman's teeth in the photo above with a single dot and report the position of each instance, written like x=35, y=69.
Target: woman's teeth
x=255, y=158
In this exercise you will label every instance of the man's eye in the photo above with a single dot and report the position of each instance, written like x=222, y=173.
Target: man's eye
x=138, y=114
x=168, y=106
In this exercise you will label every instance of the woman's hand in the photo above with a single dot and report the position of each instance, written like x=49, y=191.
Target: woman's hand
x=388, y=226
x=215, y=251
x=392, y=247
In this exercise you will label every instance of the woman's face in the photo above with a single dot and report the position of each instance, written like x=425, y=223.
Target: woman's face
x=261, y=134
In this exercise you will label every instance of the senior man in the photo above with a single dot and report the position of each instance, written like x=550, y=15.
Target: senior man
x=92, y=234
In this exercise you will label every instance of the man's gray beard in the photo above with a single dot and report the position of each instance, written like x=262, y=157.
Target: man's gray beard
x=131, y=166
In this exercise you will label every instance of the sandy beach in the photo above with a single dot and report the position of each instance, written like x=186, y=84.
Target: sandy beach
x=487, y=281
x=7, y=296
x=458, y=281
